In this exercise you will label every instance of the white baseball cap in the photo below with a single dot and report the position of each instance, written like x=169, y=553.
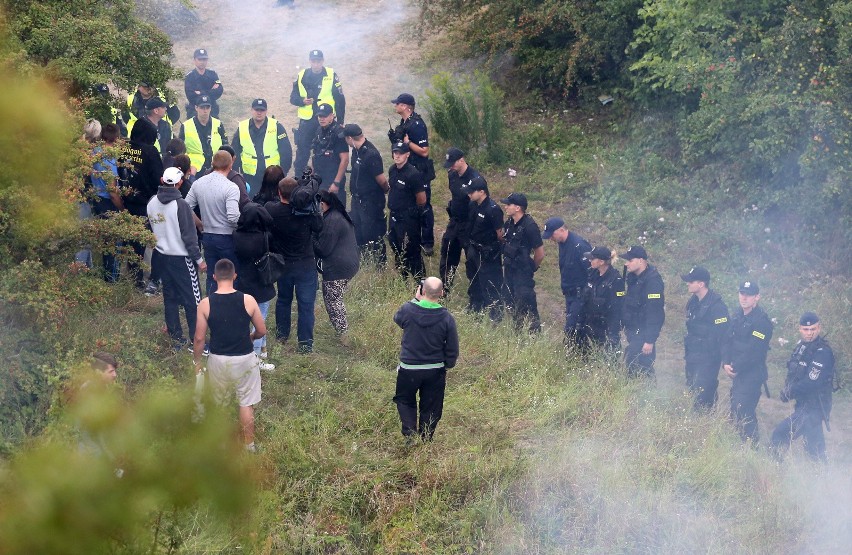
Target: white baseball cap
x=172, y=176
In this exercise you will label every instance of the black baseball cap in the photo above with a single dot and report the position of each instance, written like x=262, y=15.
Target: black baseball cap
x=259, y=104
x=324, y=110
x=315, y=55
x=203, y=100
x=350, y=130
x=808, y=319
x=749, y=288
x=155, y=102
x=697, y=273
x=453, y=155
x=635, y=251
x=551, y=225
x=400, y=147
x=601, y=253
x=200, y=53
x=145, y=84
x=102, y=88
x=518, y=199
x=403, y=98
x=478, y=183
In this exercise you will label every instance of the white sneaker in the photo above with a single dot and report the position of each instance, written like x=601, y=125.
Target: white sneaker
x=267, y=367
x=263, y=354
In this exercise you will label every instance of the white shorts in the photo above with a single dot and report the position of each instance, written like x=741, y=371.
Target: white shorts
x=240, y=374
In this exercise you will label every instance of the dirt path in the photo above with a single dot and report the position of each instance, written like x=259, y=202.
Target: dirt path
x=257, y=47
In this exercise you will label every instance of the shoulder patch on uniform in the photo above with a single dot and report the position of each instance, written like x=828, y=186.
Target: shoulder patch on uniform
x=282, y=135
x=720, y=320
x=480, y=215
x=758, y=335
x=814, y=373
x=653, y=295
x=619, y=293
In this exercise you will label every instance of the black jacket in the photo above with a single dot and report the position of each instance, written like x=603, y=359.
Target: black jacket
x=603, y=300
x=644, y=306
x=429, y=335
x=146, y=167
x=336, y=248
x=292, y=235
x=747, y=344
x=810, y=376
x=250, y=242
x=706, y=328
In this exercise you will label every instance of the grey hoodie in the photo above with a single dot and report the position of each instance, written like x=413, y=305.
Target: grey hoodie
x=171, y=221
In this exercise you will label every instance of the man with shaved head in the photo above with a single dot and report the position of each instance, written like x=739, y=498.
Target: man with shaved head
x=430, y=345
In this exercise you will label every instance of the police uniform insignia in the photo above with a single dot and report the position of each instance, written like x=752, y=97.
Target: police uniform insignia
x=447, y=157
x=653, y=295
x=720, y=320
x=747, y=284
x=758, y=335
x=282, y=135
x=814, y=373
x=619, y=293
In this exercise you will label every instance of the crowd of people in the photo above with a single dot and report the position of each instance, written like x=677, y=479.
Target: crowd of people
x=225, y=208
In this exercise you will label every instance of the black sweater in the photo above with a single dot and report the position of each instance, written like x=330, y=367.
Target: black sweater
x=250, y=242
x=335, y=246
x=429, y=335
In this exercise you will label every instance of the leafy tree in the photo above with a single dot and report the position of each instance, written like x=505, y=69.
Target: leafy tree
x=764, y=87
x=85, y=42
x=560, y=45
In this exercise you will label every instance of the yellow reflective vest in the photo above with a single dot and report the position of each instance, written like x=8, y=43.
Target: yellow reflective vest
x=193, y=141
x=325, y=96
x=270, y=146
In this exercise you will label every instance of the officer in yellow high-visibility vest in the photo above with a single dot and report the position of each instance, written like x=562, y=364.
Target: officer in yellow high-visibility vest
x=260, y=142
x=156, y=108
x=311, y=88
x=137, y=105
x=203, y=135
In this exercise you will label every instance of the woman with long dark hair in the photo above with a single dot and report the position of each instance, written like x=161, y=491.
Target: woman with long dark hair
x=337, y=258
x=269, y=187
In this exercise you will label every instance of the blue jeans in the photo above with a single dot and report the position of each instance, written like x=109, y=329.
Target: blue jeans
x=304, y=283
x=260, y=343
x=217, y=247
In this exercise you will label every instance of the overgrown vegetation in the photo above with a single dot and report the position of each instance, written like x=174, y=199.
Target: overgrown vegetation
x=540, y=450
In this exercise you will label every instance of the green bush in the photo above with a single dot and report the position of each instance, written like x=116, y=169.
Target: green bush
x=467, y=113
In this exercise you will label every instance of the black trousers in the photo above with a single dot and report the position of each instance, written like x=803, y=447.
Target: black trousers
x=595, y=332
x=181, y=288
x=486, y=282
x=744, y=398
x=431, y=385
x=638, y=363
x=427, y=221
x=520, y=296
x=452, y=245
x=368, y=215
x=702, y=379
x=404, y=239
x=304, y=138
x=805, y=422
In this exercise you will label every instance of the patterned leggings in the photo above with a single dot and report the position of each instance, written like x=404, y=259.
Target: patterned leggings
x=332, y=296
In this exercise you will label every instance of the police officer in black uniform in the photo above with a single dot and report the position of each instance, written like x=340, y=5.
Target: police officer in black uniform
x=202, y=81
x=706, y=328
x=406, y=202
x=603, y=300
x=521, y=236
x=483, y=261
x=744, y=359
x=314, y=86
x=368, y=187
x=454, y=241
x=331, y=153
x=810, y=381
x=412, y=129
x=573, y=270
x=644, y=312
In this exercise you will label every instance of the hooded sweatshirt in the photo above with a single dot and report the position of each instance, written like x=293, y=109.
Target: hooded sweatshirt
x=146, y=167
x=171, y=221
x=429, y=336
